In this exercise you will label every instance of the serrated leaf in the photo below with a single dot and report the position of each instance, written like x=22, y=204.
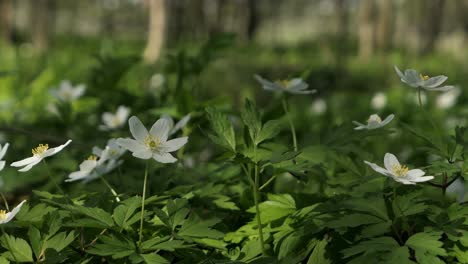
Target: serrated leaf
x=426, y=244
x=371, y=246
x=154, y=258
x=223, y=128
x=318, y=254
x=124, y=212
x=197, y=228
x=18, y=249
x=269, y=130
x=113, y=246
x=277, y=206
x=61, y=240
x=251, y=119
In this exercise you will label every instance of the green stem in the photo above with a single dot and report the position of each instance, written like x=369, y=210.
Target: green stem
x=291, y=124
x=53, y=180
x=266, y=183
x=143, y=204
x=419, y=97
x=256, y=201
x=110, y=188
x=5, y=201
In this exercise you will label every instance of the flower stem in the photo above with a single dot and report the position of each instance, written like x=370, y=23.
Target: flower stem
x=143, y=204
x=291, y=124
x=110, y=188
x=419, y=97
x=256, y=195
x=53, y=180
x=5, y=201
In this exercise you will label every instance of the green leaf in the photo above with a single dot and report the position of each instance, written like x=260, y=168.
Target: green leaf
x=371, y=246
x=269, y=130
x=61, y=240
x=94, y=213
x=224, y=131
x=277, y=206
x=162, y=243
x=196, y=228
x=123, y=213
x=410, y=204
x=427, y=246
x=113, y=246
x=154, y=258
x=34, y=214
x=318, y=255
x=251, y=119
x=18, y=249
x=35, y=240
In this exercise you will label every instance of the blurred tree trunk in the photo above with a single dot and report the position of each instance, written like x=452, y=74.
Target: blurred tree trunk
x=253, y=19
x=385, y=25
x=156, y=30
x=43, y=12
x=366, y=28
x=342, y=31
x=432, y=24
x=6, y=20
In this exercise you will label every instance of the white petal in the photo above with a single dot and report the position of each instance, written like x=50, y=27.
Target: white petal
x=30, y=165
x=137, y=129
x=174, y=144
x=77, y=175
x=378, y=169
x=13, y=212
x=301, y=92
x=422, y=179
x=415, y=173
x=88, y=165
x=164, y=158
x=435, y=81
x=400, y=74
x=182, y=123
x=413, y=77
x=53, y=151
x=3, y=150
x=122, y=113
x=131, y=144
x=442, y=88
x=160, y=129
x=25, y=161
x=387, y=120
x=145, y=154
x=97, y=151
x=267, y=85
x=390, y=161
x=2, y=164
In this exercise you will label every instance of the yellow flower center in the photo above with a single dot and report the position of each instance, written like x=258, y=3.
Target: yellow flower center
x=2, y=215
x=40, y=149
x=283, y=83
x=424, y=77
x=115, y=121
x=400, y=170
x=92, y=157
x=152, y=142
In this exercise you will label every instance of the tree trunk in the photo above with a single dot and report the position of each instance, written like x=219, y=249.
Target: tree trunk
x=366, y=28
x=156, y=30
x=253, y=19
x=42, y=18
x=432, y=24
x=6, y=20
x=385, y=25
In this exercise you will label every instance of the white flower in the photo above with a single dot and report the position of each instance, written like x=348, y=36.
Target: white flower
x=152, y=144
x=374, y=122
x=398, y=172
x=417, y=80
x=319, y=106
x=448, y=99
x=39, y=153
x=113, y=121
x=379, y=101
x=115, y=150
x=7, y=217
x=94, y=167
x=181, y=124
x=3, y=151
x=67, y=93
x=293, y=86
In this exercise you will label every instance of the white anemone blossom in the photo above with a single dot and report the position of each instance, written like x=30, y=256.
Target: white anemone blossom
x=94, y=167
x=417, y=80
x=3, y=151
x=292, y=86
x=178, y=126
x=67, y=93
x=115, y=151
x=152, y=144
x=7, y=217
x=39, y=153
x=448, y=99
x=379, y=101
x=374, y=122
x=113, y=121
x=398, y=172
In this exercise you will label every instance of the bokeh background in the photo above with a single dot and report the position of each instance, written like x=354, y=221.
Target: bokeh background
x=143, y=53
